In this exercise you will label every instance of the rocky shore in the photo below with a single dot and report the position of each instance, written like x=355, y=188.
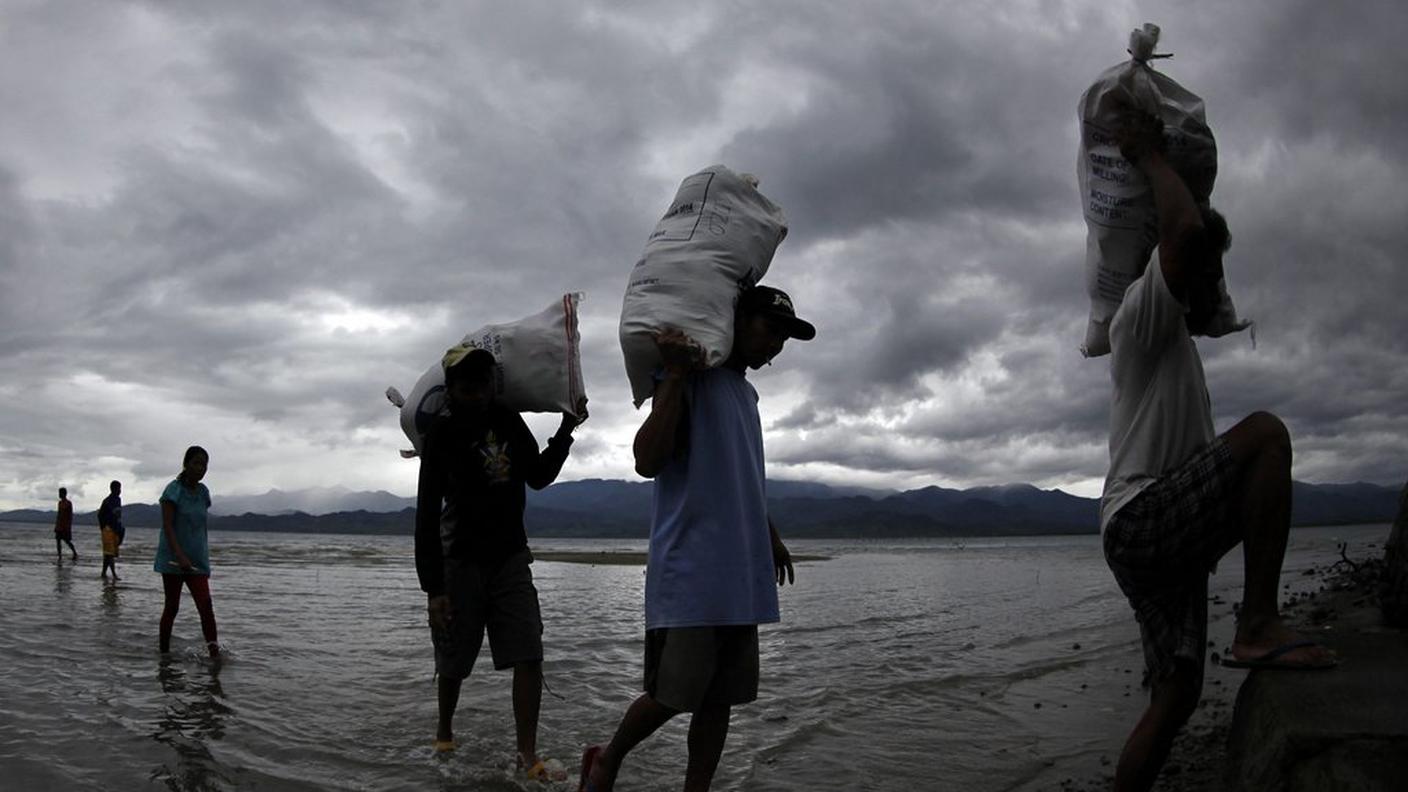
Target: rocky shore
x=1335, y=604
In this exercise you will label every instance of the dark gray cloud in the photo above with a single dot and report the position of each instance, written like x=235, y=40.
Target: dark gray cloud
x=235, y=224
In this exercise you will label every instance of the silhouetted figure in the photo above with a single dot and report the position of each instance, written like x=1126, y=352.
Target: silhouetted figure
x=1178, y=496
x=63, y=525
x=110, y=526
x=183, y=548
x=715, y=558
x=472, y=555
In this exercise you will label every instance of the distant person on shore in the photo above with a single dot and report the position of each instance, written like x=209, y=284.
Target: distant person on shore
x=715, y=558
x=63, y=525
x=183, y=548
x=1178, y=496
x=110, y=526
x=472, y=554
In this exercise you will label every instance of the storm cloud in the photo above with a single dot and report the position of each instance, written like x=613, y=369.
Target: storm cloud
x=236, y=224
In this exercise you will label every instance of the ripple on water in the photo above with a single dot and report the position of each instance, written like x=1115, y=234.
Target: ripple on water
x=916, y=669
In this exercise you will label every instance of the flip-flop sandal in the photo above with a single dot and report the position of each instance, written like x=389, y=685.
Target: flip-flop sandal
x=589, y=757
x=542, y=771
x=1270, y=659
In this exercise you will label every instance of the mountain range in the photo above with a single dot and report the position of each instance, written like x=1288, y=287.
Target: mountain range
x=614, y=508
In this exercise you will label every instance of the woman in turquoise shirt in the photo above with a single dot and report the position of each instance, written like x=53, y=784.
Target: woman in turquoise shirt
x=183, y=549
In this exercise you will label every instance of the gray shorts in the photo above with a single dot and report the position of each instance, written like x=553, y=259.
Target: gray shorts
x=502, y=601
x=1161, y=547
x=691, y=668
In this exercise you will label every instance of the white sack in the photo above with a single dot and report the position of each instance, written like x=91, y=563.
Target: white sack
x=1122, y=224
x=717, y=237
x=538, y=369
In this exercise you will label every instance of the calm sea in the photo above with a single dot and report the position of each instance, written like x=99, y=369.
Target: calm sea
x=922, y=665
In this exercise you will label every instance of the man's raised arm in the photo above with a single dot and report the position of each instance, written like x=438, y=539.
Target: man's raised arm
x=1140, y=139
x=658, y=438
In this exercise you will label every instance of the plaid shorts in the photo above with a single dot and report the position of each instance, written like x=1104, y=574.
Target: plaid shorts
x=1161, y=547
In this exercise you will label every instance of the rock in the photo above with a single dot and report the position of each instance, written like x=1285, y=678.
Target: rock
x=1393, y=590
x=1341, y=730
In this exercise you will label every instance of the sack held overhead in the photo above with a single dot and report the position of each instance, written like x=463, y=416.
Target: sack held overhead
x=1122, y=224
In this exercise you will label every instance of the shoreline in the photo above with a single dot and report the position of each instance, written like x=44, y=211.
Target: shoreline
x=623, y=557
x=1316, y=600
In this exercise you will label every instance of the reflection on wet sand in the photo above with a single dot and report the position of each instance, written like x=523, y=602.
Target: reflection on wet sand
x=63, y=578
x=194, y=715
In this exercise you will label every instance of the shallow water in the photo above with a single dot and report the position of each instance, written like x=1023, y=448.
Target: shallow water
x=986, y=664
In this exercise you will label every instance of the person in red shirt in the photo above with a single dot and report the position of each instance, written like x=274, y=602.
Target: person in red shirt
x=63, y=525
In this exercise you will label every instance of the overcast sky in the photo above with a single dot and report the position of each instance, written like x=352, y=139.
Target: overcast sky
x=234, y=224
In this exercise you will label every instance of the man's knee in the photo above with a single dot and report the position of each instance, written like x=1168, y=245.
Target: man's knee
x=1260, y=434
x=1272, y=430
x=661, y=708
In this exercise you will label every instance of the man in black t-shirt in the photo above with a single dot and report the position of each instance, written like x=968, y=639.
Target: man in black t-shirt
x=472, y=555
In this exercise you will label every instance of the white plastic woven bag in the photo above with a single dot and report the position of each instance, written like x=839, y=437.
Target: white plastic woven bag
x=538, y=369
x=1122, y=224
x=718, y=236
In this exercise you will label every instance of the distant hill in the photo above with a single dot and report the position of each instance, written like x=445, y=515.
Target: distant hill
x=612, y=508
x=321, y=500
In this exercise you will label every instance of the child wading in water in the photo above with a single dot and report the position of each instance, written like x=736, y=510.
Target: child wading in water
x=110, y=526
x=183, y=549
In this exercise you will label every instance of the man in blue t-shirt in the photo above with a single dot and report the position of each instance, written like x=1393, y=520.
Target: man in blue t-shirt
x=715, y=558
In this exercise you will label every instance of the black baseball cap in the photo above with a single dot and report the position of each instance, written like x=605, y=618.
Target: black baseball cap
x=776, y=303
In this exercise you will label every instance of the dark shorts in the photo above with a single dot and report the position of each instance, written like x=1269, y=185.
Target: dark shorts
x=1162, y=546
x=691, y=668
x=502, y=601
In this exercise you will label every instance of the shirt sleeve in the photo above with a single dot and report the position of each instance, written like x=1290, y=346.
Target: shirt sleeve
x=172, y=492
x=1151, y=313
x=430, y=493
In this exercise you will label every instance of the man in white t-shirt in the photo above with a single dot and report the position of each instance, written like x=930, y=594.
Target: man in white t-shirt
x=1178, y=496
x=715, y=559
